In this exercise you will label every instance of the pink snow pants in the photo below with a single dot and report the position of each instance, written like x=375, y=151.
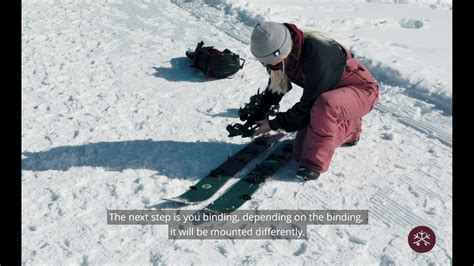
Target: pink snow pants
x=336, y=117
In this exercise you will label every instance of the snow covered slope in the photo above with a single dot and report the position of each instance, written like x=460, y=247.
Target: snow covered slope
x=113, y=118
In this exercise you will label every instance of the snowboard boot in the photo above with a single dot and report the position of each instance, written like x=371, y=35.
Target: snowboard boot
x=304, y=174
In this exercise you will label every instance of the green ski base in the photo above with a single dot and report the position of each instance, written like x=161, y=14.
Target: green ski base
x=209, y=185
x=242, y=190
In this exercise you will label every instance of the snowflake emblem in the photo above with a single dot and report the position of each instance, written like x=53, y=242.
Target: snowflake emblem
x=421, y=237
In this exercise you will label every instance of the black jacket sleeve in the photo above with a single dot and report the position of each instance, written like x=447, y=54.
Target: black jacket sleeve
x=322, y=65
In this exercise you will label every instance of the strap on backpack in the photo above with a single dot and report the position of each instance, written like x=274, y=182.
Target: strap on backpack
x=196, y=53
x=241, y=66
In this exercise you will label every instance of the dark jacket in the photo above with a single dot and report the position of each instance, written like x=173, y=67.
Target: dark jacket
x=322, y=66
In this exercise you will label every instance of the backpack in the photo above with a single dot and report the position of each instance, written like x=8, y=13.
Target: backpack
x=215, y=63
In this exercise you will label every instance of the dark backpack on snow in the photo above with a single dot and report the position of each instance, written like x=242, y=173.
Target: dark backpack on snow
x=215, y=63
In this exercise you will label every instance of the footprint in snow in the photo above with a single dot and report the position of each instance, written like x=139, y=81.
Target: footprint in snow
x=411, y=23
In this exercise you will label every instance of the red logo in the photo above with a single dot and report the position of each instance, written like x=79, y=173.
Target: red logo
x=421, y=239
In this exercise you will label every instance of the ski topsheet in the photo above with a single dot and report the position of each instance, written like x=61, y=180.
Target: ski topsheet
x=209, y=185
x=242, y=190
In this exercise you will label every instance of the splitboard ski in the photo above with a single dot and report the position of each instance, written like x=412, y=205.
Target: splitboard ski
x=209, y=185
x=242, y=190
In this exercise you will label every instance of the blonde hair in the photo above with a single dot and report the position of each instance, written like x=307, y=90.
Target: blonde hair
x=278, y=78
x=320, y=36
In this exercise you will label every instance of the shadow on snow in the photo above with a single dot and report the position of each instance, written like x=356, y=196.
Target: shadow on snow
x=180, y=70
x=170, y=158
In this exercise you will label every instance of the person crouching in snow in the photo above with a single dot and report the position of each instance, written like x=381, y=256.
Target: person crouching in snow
x=337, y=92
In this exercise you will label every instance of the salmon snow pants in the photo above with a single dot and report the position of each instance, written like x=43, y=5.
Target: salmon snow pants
x=336, y=117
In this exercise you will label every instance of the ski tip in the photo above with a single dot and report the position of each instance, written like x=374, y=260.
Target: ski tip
x=178, y=200
x=210, y=211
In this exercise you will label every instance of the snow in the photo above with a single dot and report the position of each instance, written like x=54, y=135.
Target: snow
x=418, y=38
x=113, y=118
